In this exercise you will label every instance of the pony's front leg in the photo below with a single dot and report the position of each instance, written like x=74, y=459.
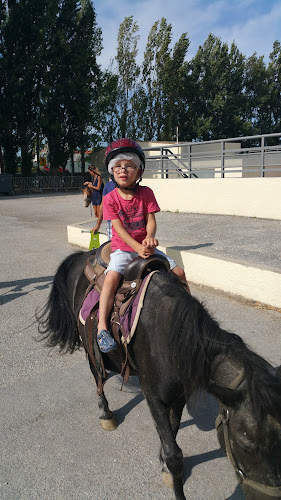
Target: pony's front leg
x=106, y=416
x=175, y=419
x=171, y=454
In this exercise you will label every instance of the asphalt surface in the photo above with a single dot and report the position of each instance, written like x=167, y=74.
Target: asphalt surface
x=52, y=446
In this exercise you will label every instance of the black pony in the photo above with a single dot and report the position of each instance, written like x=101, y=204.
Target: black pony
x=179, y=349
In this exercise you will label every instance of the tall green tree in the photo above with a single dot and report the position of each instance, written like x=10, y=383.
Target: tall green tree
x=156, y=59
x=218, y=105
x=22, y=39
x=256, y=89
x=128, y=72
x=105, y=109
x=274, y=90
x=73, y=42
x=175, y=81
x=8, y=139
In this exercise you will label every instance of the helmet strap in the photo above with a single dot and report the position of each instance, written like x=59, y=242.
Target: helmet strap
x=127, y=188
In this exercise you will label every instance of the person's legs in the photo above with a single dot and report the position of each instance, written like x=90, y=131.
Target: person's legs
x=96, y=210
x=110, y=285
x=117, y=264
x=181, y=274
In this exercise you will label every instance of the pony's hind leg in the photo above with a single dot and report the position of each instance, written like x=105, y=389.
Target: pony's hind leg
x=171, y=454
x=106, y=416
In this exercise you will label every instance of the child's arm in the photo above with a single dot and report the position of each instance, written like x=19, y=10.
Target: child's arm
x=150, y=241
x=142, y=250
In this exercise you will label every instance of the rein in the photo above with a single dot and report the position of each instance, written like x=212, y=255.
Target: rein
x=223, y=419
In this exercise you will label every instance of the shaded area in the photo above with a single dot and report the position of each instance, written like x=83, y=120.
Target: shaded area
x=16, y=288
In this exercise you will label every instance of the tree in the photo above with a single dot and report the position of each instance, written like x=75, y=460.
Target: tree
x=105, y=109
x=175, y=81
x=256, y=87
x=8, y=87
x=274, y=90
x=22, y=39
x=218, y=101
x=156, y=57
x=72, y=43
x=128, y=72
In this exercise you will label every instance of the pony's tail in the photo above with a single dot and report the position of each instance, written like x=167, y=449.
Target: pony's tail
x=56, y=321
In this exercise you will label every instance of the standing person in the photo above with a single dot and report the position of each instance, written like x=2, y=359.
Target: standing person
x=96, y=187
x=109, y=186
x=131, y=209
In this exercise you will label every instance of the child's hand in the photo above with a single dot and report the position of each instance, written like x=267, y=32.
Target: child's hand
x=95, y=228
x=145, y=252
x=150, y=243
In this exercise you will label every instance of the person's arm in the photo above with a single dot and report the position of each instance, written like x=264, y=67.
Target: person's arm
x=129, y=240
x=99, y=219
x=150, y=241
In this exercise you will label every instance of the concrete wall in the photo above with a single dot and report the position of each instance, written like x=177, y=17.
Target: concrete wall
x=253, y=197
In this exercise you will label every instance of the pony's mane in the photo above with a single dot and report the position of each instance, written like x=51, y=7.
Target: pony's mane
x=197, y=340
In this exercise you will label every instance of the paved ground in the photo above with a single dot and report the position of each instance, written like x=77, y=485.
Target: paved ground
x=52, y=447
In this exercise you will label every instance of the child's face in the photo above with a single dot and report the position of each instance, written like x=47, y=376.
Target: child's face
x=126, y=173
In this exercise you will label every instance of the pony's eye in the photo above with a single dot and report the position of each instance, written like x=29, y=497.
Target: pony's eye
x=244, y=442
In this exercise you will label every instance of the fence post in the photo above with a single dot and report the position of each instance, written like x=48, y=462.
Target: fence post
x=162, y=165
x=262, y=158
x=189, y=159
x=222, y=158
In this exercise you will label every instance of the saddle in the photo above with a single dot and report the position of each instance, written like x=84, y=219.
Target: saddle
x=135, y=273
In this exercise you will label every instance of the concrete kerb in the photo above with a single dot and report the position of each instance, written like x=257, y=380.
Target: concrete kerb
x=249, y=282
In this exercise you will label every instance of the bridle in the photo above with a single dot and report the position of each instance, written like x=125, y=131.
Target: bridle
x=223, y=419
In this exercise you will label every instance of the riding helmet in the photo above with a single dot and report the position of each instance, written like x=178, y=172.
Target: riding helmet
x=123, y=146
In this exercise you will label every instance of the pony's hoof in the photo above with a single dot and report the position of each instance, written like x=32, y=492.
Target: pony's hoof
x=109, y=424
x=167, y=479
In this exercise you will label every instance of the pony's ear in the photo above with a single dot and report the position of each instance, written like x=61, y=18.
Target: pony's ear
x=228, y=397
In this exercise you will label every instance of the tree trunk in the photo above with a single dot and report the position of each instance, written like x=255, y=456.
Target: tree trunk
x=72, y=162
x=2, y=166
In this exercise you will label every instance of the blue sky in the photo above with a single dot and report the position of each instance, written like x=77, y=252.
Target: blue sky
x=252, y=24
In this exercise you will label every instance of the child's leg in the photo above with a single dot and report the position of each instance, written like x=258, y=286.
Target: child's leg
x=110, y=285
x=179, y=272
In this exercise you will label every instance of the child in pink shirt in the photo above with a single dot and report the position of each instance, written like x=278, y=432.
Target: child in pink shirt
x=131, y=209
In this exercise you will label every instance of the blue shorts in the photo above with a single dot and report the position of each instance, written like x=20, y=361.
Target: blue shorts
x=119, y=259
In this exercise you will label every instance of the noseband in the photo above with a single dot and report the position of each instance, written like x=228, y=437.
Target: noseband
x=223, y=419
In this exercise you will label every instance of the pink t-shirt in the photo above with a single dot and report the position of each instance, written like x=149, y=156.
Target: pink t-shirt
x=132, y=214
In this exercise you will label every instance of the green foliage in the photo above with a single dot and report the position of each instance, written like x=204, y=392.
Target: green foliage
x=49, y=77
x=128, y=72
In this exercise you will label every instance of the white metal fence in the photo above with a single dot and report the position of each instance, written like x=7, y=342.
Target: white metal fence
x=253, y=156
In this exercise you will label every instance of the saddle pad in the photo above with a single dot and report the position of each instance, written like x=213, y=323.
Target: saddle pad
x=90, y=301
x=130, y=319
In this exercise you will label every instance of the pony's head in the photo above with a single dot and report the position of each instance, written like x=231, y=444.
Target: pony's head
x=249, y=430
x=86, y=196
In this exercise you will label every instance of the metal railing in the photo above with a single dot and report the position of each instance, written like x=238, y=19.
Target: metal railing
x=251, y=156
x=47, y=183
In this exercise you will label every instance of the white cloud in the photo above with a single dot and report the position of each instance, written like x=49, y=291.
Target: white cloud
x=256, y=34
